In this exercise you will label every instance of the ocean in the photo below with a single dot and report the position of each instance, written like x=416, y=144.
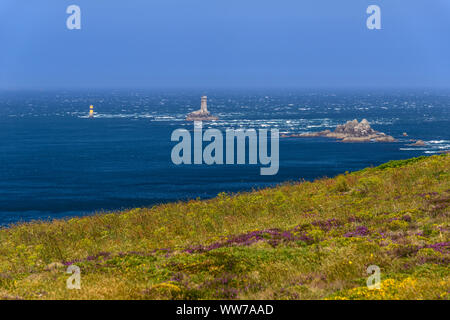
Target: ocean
x=56, y=162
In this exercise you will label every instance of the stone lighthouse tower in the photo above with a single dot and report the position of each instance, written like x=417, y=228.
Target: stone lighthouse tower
x=202, y=114
x=204, y=105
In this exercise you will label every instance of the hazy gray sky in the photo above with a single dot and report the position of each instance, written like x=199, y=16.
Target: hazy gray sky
x=224, y=43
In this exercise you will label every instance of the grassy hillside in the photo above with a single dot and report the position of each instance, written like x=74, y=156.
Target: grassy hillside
x=311, y=240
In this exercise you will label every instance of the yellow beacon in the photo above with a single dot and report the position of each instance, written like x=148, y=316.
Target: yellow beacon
x=91, y=111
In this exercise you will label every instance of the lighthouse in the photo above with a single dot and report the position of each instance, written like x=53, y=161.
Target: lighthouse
x=202, y=114
x=204, y=105
x=91, y=111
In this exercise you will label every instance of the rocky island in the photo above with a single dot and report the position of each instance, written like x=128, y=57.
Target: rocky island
x=203, y=114
x=352, y=131
x=417, y=143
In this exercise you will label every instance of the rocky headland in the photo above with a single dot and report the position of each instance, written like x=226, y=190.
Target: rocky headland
x=349, y=212
x=352, y=131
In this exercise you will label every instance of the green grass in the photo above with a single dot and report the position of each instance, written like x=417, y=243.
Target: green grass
x=307, y=240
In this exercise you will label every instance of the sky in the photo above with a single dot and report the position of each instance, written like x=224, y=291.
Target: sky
x=224, y=43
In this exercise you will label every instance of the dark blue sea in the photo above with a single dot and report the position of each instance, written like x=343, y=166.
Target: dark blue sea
x=55, y=162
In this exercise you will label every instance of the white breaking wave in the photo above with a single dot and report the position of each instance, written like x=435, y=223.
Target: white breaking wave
x=431, y=147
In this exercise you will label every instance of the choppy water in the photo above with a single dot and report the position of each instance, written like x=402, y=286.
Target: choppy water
x=56, y=162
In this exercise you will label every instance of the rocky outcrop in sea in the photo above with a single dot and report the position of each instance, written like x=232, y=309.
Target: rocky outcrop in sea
x=352, y=131
x=203, y=114
x=417, y=143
